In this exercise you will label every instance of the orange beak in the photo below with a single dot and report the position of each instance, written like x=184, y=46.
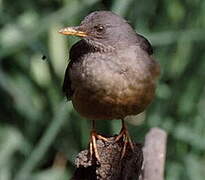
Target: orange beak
x=73, y=31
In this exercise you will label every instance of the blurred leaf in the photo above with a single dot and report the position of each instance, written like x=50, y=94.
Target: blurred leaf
x=174, y=171
x=195, y=167
x=5, y=173
x=176, y=10
x=37, y=154
x=120, y=6
x=51, y=174
x=40, y=70
x=190, y=136
x=58, y=49
x=10, y=142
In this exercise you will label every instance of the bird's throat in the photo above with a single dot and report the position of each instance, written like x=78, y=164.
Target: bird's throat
x=98, y=46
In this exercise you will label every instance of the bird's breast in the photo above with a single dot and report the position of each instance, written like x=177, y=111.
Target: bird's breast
x=107, y=87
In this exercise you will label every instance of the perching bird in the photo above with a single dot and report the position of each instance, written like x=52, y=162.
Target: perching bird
x=111, y=73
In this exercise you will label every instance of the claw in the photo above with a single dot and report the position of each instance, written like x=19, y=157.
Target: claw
x=124, y=134
x=93, y=142
x=126, y=139
x=93, y=146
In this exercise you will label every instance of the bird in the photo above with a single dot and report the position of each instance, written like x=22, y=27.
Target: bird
x=111, y=73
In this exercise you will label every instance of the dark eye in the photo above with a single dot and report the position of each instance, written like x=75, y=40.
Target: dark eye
x=99, y=28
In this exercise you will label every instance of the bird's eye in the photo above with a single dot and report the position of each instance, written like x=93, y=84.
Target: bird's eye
x=99, y=28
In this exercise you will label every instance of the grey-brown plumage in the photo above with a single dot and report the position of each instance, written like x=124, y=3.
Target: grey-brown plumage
x=111, y=73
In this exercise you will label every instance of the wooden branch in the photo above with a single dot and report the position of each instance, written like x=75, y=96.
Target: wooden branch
x=154, y=155
x=111, y=166
x=130, y=167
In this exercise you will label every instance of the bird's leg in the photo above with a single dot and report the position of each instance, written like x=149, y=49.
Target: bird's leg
x=93, y=142
x=126, y=139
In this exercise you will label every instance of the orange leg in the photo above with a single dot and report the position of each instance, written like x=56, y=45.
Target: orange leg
x=93, y=142
x=126, y=139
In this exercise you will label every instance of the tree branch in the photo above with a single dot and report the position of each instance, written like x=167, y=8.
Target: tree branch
x=130, y=167
x=154, y=154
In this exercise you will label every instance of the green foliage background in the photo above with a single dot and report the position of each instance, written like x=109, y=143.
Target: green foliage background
x=40, y=132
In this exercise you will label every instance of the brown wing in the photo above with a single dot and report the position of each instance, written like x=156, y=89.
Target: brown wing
x=67, y=83
x=155, y=69
x=145, y=44
x=67, y=90
x=75, y=54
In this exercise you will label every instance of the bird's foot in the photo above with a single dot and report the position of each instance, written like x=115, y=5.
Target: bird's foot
x=93, y=144
x=124, y=134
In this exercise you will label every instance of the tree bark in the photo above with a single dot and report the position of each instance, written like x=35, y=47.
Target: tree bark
x=112, y=167
x=154, y=155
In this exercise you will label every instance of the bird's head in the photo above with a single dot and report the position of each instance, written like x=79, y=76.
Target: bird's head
x=103, y=28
